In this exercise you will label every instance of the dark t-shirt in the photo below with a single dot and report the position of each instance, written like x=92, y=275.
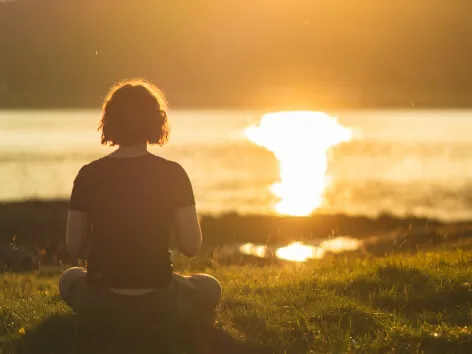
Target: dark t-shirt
x=131, y=203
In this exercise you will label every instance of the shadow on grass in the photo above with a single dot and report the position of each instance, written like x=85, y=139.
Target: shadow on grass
x=58, y=335
x=54, y=335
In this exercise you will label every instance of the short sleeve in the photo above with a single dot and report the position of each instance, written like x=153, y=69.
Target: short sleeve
x=79, y=196
x=182, y=192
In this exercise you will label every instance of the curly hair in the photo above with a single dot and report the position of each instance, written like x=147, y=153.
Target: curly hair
x=134, y=112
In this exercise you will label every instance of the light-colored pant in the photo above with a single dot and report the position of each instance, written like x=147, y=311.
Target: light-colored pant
x=197, y=294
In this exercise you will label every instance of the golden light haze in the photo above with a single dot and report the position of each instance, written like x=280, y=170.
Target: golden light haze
x=300, y=141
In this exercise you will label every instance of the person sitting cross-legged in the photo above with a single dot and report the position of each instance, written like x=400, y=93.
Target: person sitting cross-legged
x=123, y=209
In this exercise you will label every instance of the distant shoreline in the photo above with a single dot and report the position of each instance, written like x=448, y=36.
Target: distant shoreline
x=63, y=203
x=19, y=203
x=41, y=225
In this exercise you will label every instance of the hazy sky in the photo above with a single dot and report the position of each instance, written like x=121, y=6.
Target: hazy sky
x=216, y=52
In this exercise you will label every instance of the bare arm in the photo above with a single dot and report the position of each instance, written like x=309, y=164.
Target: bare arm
x=77, y=232
x=186, y=230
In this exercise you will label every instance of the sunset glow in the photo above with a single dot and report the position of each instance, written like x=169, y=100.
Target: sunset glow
x=340, y=244
x=300, y=141
x=298, y=252
x=251, y=249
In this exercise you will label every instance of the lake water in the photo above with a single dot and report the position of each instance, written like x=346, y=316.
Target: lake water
x=400, y=162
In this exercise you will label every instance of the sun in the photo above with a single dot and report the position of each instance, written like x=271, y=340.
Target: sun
x=300, y=141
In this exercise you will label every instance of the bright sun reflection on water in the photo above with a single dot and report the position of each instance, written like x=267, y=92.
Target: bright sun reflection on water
x=253, y=250
x=300, y=252
x=300, y=141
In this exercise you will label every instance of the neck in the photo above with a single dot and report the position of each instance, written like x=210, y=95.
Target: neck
x=130, y=150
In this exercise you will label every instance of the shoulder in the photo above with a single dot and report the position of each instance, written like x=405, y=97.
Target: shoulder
x=85, y=169
x=88, y=169
x=177, y=167
x=179, y=172
x=171, y=166
x=177, y=175
x=96, y=163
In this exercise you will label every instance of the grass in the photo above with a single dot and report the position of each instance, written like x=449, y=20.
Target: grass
x=399, y=304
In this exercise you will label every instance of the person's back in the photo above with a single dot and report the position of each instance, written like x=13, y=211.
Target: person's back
x=131, y=203
x=123, y=209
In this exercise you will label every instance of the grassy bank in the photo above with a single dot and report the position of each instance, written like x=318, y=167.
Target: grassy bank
x=399, y=304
